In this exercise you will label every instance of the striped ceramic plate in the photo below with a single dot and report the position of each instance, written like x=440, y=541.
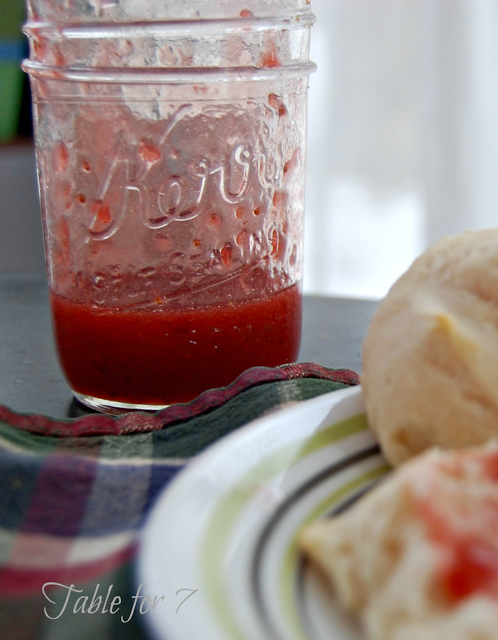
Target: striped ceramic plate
x=219, y=553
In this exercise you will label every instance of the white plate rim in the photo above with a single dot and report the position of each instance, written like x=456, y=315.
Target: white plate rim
x=338, y=406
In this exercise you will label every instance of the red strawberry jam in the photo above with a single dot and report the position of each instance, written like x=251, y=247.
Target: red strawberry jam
x=157, y=356
x=460, y=511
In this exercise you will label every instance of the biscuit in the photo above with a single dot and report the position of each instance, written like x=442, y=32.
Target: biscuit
x=417, y=557
x=430, y=357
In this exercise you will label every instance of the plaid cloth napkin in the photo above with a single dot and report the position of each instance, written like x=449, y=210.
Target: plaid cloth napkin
x=74, y=494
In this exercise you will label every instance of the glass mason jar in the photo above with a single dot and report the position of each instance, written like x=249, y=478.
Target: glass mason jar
x=170, y=141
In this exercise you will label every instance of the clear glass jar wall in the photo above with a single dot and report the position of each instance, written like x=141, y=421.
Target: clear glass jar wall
x=171, y=168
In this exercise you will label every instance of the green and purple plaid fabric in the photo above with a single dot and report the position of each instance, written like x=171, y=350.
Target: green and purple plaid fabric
x=75, y=493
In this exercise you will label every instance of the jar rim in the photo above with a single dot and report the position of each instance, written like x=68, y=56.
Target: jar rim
x=61, y=12
x=89, y=30
x=159, y=75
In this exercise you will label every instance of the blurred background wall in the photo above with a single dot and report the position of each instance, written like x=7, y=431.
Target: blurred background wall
x=403, y=135
x=403, y=138
x=21, y=246
x=13, y=48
